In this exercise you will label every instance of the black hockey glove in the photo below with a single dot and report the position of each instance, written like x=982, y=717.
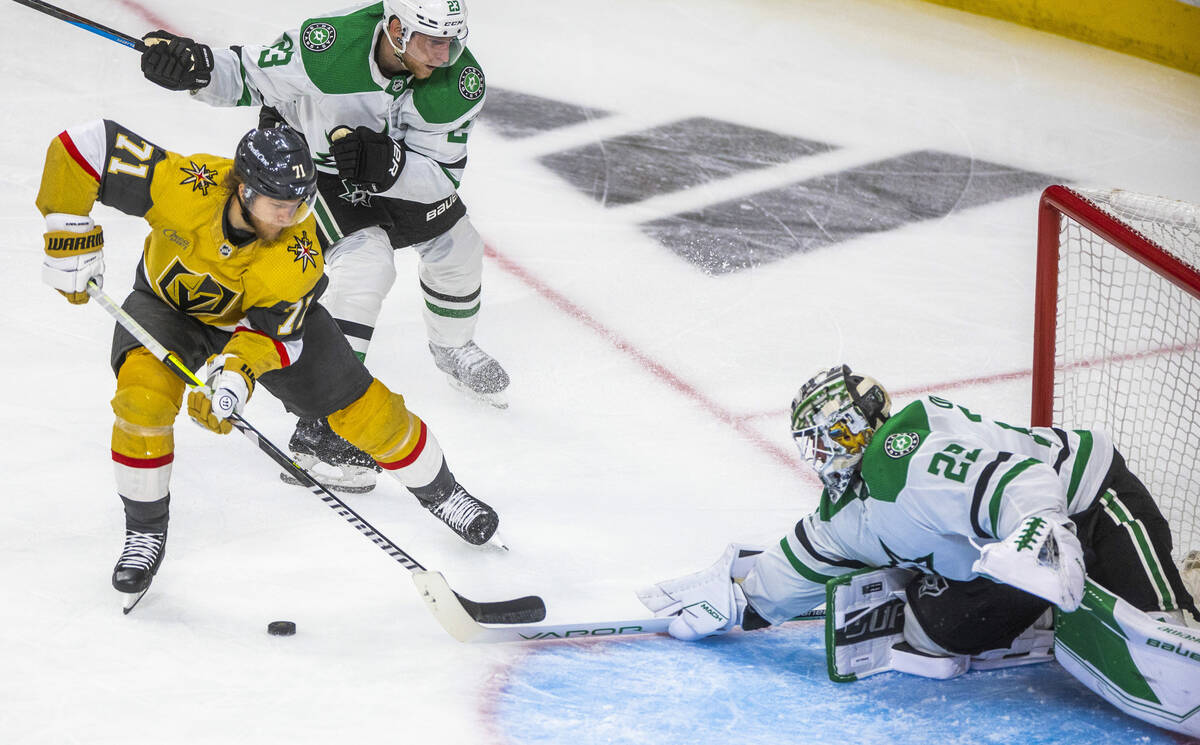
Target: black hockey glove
x=175, y=62
x=369, y=158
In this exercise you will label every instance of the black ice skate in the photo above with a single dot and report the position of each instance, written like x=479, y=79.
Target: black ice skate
x=335, y=463
x=473, y=371
x=473, y=520
x=140, y=559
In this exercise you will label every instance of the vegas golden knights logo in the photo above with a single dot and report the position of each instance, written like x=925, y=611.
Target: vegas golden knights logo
x=194, y=294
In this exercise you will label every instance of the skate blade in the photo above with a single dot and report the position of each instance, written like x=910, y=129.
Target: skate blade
x=131, y=599
x=495, y=543
x=497, y=400
x=348, y=479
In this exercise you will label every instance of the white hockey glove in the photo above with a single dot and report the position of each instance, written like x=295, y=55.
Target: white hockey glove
x=1042, y=557
x=705, y=603
x=230, y=383
x=74, y=255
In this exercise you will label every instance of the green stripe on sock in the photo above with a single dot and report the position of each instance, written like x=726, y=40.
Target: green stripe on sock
x=451, y=312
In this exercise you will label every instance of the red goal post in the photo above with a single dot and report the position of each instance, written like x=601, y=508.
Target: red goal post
x=1117, y=335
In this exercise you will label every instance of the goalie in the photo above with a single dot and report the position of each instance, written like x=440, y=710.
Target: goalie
x=972, y=530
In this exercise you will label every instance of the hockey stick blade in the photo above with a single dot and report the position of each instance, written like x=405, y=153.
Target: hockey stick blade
x=461, y=616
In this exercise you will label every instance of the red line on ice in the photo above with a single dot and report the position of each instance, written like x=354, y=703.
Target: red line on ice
x=657, y=369
x=151, y=17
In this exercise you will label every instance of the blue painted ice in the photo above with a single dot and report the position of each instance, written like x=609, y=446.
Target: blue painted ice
x=771, y=687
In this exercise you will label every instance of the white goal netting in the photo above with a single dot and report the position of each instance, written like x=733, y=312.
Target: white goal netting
x=1127, y=346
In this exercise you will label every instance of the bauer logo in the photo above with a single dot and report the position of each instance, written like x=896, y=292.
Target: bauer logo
x=901, y=444
x=317, y=37
x=470, y=83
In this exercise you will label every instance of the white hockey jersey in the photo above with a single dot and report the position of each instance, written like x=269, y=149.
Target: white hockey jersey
x=324, y=75
x=935, y=478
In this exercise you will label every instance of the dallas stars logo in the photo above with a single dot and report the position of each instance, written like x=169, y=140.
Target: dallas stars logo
x=355, y=194
x=304, y=251
x=200, y=177
x=921, y=562
x=470, y=83
x=901, y=444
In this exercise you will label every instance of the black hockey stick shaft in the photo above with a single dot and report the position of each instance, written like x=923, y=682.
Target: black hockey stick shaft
x=85, y=24
x=177, y=366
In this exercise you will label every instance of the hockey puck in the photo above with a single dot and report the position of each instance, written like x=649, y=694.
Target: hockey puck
x=281, y=628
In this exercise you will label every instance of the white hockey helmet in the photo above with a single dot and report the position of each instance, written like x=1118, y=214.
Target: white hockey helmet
x=834, y=416
x=439, y=19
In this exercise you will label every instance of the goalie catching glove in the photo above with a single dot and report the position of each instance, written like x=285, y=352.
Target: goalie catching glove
x=74, y=255
x=1042, y=557
x=705, y=603
x=230, y=383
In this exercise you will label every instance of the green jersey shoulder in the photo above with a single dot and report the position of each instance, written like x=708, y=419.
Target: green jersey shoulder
x=450, y=93
x=336, y=50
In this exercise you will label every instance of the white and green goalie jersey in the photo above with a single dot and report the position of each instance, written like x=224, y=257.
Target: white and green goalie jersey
x=935, y=478
x=324, y=75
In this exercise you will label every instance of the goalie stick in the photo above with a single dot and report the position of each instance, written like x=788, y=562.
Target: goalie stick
x=460, y=617
x=530, y=609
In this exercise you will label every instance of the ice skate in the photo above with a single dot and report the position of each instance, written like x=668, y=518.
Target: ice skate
x=473, y=371
x=474, y=521
x=135, y=570
x=335, y=463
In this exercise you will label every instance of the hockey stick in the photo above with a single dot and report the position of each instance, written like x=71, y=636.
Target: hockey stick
x=85, y=24
x=462, y=621
x=530, y=609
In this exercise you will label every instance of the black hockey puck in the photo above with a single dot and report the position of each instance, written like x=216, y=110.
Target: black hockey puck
x=281, y=628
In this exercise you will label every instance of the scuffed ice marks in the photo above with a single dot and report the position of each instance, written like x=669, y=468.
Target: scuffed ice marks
x=749, y=688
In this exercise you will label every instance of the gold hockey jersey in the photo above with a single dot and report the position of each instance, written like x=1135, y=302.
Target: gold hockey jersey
x=188, y=261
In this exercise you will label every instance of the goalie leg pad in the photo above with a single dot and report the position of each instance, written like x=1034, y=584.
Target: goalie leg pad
x=379, y=424
x=1146, y=668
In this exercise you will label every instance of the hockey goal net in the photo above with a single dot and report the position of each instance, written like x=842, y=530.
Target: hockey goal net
x=1117, y=335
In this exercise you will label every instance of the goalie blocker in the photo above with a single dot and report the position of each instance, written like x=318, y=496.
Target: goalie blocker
x=1147, y=668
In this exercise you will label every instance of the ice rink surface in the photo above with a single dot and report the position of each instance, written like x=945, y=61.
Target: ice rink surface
x=690, y=207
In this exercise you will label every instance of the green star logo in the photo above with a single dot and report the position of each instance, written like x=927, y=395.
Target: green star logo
x=317, y=37
x=901, y=444
x=470, y=83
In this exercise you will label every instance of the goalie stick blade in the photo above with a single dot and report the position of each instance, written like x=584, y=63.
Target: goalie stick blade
x=464, y=619
x=461, y=616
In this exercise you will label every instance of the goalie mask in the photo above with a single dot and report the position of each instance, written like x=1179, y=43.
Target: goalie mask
x=834, y=417
x=432, y=23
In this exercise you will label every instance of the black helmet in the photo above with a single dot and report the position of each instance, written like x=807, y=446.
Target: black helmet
x=275, y=163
